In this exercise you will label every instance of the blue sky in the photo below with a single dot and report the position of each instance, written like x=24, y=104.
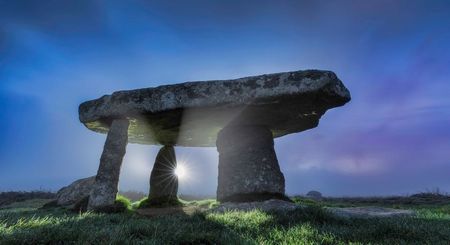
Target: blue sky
x=394, y=56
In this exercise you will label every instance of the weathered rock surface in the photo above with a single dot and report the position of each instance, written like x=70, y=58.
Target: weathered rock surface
x=370, y=212
x=163, y=181
x=105, y=188
x=248, y=166
x=268, y=205
x=192, y=113
x=75, y=192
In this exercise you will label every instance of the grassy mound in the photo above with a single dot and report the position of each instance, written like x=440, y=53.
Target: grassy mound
x=159, y=202
x=124, y=201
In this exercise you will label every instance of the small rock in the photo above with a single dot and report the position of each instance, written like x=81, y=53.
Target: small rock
x=75, y=192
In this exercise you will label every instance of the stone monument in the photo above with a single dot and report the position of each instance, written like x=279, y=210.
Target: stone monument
x=241, y=117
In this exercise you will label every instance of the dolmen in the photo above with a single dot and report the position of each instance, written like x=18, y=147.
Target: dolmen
x=241, y=117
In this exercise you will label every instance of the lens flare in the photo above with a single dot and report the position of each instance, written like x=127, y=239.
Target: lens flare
x=180, y=171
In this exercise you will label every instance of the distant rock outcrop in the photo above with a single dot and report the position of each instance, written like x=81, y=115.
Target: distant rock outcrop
x=315, y=195
x=75, y=192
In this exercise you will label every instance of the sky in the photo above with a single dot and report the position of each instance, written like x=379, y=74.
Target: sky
x=393, y=138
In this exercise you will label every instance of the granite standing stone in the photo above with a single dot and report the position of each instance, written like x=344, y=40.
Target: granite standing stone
x=163, y=181
x=248, y=165
x=105, y=188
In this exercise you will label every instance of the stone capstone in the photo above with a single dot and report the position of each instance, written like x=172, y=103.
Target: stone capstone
x=75, y=192
x=163, y=181
x=192, y=113
x=105, y=188
x=248, y=166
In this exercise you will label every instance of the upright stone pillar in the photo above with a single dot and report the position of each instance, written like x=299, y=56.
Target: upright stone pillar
x=105, y=188
x=248, y=166
x=163, y=181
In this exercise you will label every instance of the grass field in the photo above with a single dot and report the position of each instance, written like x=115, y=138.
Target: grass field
x=24, y=223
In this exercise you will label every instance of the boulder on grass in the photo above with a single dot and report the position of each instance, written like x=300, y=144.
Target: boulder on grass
x=75, y=192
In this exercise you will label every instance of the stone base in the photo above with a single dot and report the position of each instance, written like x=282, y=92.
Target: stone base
x=248, y=166
x=163, y=181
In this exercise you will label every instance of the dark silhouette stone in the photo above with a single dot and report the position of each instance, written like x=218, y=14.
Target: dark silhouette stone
x=104, y=190
x=163, y=181
x=248, y=166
